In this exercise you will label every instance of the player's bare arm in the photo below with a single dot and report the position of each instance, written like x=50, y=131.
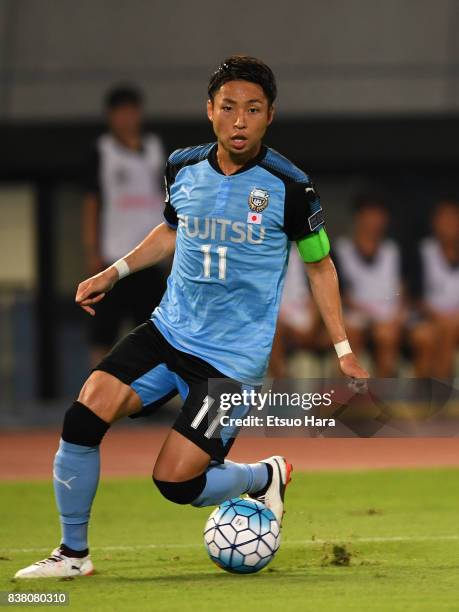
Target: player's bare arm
x=159, y=244
x=325, y=289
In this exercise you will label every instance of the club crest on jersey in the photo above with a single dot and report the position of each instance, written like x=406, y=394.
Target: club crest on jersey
x=258, y=200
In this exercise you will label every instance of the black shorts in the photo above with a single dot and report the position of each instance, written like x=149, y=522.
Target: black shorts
x=157, y=371
x=133, y=298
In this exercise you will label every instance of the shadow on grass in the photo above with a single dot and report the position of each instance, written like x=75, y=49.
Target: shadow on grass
x=277, y=576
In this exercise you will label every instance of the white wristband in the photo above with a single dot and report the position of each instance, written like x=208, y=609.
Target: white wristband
x=343, y=348
x=122, y=268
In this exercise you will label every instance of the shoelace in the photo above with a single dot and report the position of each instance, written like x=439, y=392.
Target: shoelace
x=53, y=558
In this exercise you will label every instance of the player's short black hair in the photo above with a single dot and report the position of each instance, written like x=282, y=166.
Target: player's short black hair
x=365, y=201
x=244, y=68
x=122, y=94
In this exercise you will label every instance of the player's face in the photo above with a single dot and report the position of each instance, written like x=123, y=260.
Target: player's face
x=240, y=114
x=125, y=120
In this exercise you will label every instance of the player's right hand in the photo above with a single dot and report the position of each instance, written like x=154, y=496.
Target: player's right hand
x=93, y=289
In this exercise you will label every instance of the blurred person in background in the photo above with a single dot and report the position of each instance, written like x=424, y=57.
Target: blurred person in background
x=369, y=266
x=299, y=325
x=439, y=286
x=124, y=199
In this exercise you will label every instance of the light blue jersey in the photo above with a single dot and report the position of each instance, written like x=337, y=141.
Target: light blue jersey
x=233, y=239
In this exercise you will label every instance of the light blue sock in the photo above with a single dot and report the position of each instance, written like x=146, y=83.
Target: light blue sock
x=76, y=476
x=229, y=479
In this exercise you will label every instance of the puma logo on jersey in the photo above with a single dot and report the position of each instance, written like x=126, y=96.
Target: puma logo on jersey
x=64, y=482
x=186, y=190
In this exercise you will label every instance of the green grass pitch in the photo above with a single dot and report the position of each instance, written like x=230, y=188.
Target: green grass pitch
x=381, y=540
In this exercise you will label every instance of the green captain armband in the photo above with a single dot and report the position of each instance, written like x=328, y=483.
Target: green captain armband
x=314, y=247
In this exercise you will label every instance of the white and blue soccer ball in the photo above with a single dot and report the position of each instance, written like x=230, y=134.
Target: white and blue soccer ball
x=242, y=536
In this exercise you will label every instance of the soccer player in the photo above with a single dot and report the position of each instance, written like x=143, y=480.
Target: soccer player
x=232, y=207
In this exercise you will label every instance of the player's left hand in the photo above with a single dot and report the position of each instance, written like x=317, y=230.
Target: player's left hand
x=351, y=367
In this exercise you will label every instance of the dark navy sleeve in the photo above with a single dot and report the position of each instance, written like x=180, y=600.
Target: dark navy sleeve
x=303, y=214
x=177, y=160
x=170, y=214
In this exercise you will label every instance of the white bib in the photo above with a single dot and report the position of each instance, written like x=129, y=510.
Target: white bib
x=441, y=280
x=131, y=190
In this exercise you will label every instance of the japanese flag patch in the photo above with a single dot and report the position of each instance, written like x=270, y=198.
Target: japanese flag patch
x=253, y=217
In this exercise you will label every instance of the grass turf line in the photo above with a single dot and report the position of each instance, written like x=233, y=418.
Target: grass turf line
x=338, y=550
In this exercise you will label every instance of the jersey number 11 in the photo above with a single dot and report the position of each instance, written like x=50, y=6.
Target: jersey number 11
x=205, y=248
